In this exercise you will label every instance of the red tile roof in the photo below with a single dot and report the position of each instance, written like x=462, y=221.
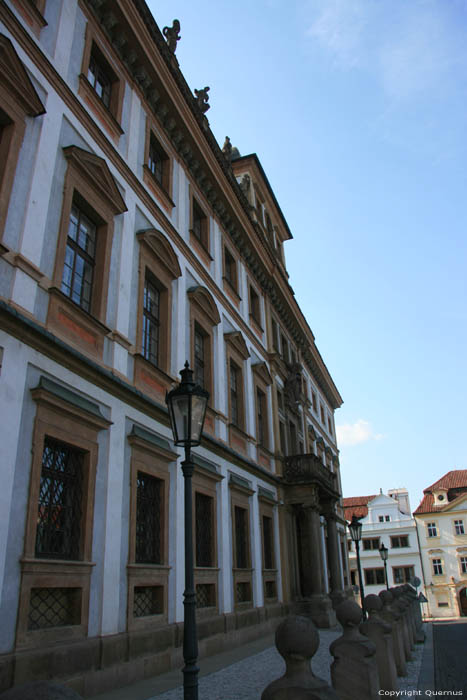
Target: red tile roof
x=356, y=505
x=454, y=481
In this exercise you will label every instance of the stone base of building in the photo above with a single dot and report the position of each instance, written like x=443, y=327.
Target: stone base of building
x=99, y=664
x=319, y=608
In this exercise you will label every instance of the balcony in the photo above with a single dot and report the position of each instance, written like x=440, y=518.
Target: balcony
x=308, y=469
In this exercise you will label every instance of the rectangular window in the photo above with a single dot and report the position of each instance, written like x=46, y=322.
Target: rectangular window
x=459, y=527
x=398, y=541
x=314, y=401
x=381, y=518
x=285, y=348
x=204, y=528
x=54, y=607
x=148, y=548
x=268, y=543
x=432, y=530
x=148, y=600
x=60, y=507
x=275, y=335
x=282, y=437
x=255, y=310
x=158, y=162
x=329, y=425
x=151, y=321
x=280, y=400
x=463, y=562
x=78, y=269
x=293, y=438
x=370, y=543
x=200, y=357
x=321, y=411
x=100, y=76
x=402, y=574
x=387, y=518
x=234, y=373
x=230, y=269
x=242, y=556
x=437, y=567
x=261, y=417
x=374, y=577
x=200, y=225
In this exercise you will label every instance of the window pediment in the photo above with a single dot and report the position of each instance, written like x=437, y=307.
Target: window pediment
x=14, y=77
x=235, y=339
x=202, y=297
x=160, y=246
x=260, y=368
x=97, y=172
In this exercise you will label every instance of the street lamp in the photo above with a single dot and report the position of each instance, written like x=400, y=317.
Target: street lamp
x=355, y=528
x=383, y=552
x=187, y=410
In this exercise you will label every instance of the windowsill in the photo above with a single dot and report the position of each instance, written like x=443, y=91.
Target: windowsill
x=231, y=289
x=74, y=324
x=103, y=113
x=157, y=189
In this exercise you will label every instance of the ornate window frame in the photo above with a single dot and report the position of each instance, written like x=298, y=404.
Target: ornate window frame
x=88, y=180
x=69, y=418
x=240, y=494
x=157, y=256
x=19, y=100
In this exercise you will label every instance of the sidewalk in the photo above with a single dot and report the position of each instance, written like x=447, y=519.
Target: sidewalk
x=243, y=673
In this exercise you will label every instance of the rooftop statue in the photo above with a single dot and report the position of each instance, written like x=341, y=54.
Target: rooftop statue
x=172, y=35
x=202, y=99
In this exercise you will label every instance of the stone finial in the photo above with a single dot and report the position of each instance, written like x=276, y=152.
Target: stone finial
x=349, y=614
x=202, y=98
x=373, y=603
x=297, y=640
x=40, y=690
x=245, y=183
x=172, y=35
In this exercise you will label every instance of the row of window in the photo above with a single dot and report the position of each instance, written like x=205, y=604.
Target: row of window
x=374, y=543
x=458, y=528
x=374, y=577
x=437, y=565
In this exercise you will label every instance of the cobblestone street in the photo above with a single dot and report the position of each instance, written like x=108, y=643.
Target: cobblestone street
x=450, y=655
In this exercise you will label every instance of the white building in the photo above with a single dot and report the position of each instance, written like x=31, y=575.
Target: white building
x=131, y=242
x=386, y=520
x=441, y=521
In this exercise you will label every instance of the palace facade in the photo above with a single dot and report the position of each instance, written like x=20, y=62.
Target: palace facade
x=131, y=242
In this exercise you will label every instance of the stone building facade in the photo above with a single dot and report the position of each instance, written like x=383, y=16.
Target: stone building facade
x=441, y=521
x=131, y=242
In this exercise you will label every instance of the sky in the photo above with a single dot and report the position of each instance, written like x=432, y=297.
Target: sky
x=357, y=112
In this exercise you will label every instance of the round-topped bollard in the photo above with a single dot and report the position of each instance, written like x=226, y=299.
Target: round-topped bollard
x=297, y=641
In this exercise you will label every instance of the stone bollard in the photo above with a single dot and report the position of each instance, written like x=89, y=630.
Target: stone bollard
x=354, y=671
x=393, y=617
x=401, y=606
x=40, y=690
x=297, y=640
x=417, y=613
x=411, y=613
x=380, y=633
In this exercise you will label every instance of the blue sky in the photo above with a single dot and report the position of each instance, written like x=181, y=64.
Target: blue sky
x=357, y=111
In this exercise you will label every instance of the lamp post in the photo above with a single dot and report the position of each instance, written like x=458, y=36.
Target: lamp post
x=355, y=528
x=187, y=410
x=383, y=552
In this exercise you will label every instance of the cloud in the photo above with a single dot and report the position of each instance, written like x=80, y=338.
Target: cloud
x=411, y=48
x=355, y=433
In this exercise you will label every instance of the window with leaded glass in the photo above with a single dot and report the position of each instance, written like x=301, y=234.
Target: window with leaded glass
x=241, y=538
x=204, y=529
x=268, y=543
x=80, y=254
x=200, y=224
x=230, y=268
x=261, y=416
x=199, y=357
x=151, y=320
x=59, y=516
x=234, y=377
x=149, y=506
x=100, y=76
x=157, y=161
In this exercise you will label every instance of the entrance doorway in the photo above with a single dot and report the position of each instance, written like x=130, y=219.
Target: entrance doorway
x=463, y=601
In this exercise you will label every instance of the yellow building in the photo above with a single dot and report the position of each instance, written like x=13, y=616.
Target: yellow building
x=441, y=521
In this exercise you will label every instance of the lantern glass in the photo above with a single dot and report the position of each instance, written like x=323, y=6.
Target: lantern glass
x=355, y=528
x=383, y=551
x=187, y=410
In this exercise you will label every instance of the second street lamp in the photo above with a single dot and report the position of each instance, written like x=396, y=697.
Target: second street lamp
x=355, y=528
x=187, y=410
x=383, y=551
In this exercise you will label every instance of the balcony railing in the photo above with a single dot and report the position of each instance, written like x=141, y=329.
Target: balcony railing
x=307, y=469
